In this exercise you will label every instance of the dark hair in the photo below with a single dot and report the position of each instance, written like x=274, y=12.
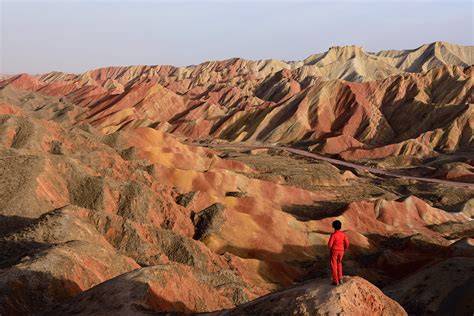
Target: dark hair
x=336, y=225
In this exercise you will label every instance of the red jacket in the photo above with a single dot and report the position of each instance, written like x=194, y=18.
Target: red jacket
x=338, y=241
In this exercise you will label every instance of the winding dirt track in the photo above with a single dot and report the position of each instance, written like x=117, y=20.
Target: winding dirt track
x=342, y=163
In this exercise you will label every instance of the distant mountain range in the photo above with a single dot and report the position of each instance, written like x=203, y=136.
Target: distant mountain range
x=345, y=102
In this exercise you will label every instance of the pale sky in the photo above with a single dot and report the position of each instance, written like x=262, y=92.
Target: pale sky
x=74, y=36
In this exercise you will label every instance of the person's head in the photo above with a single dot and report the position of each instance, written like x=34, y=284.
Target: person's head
x=336, y=225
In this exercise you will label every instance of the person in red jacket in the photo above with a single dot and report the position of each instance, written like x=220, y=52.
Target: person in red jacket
x=338, y=243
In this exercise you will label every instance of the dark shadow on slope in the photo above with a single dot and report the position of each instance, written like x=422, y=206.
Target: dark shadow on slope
x=454, y=230
x=120, y=296
x=24, y=292
x=399, y=255
x=285, y=111
x=10, y=224
x=459, y=301
x=177, y=117
x=455, y=208
x=12, y=252
x=317, y=211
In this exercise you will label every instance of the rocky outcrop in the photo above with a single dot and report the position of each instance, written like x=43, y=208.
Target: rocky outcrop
x=161, y=288
x=355, y=296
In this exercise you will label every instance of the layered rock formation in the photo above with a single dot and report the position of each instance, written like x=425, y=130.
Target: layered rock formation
x=346, y=101
x=108, y=203
x=80, y=208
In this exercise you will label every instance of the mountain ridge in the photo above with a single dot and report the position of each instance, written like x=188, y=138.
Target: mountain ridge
x=345, y=91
